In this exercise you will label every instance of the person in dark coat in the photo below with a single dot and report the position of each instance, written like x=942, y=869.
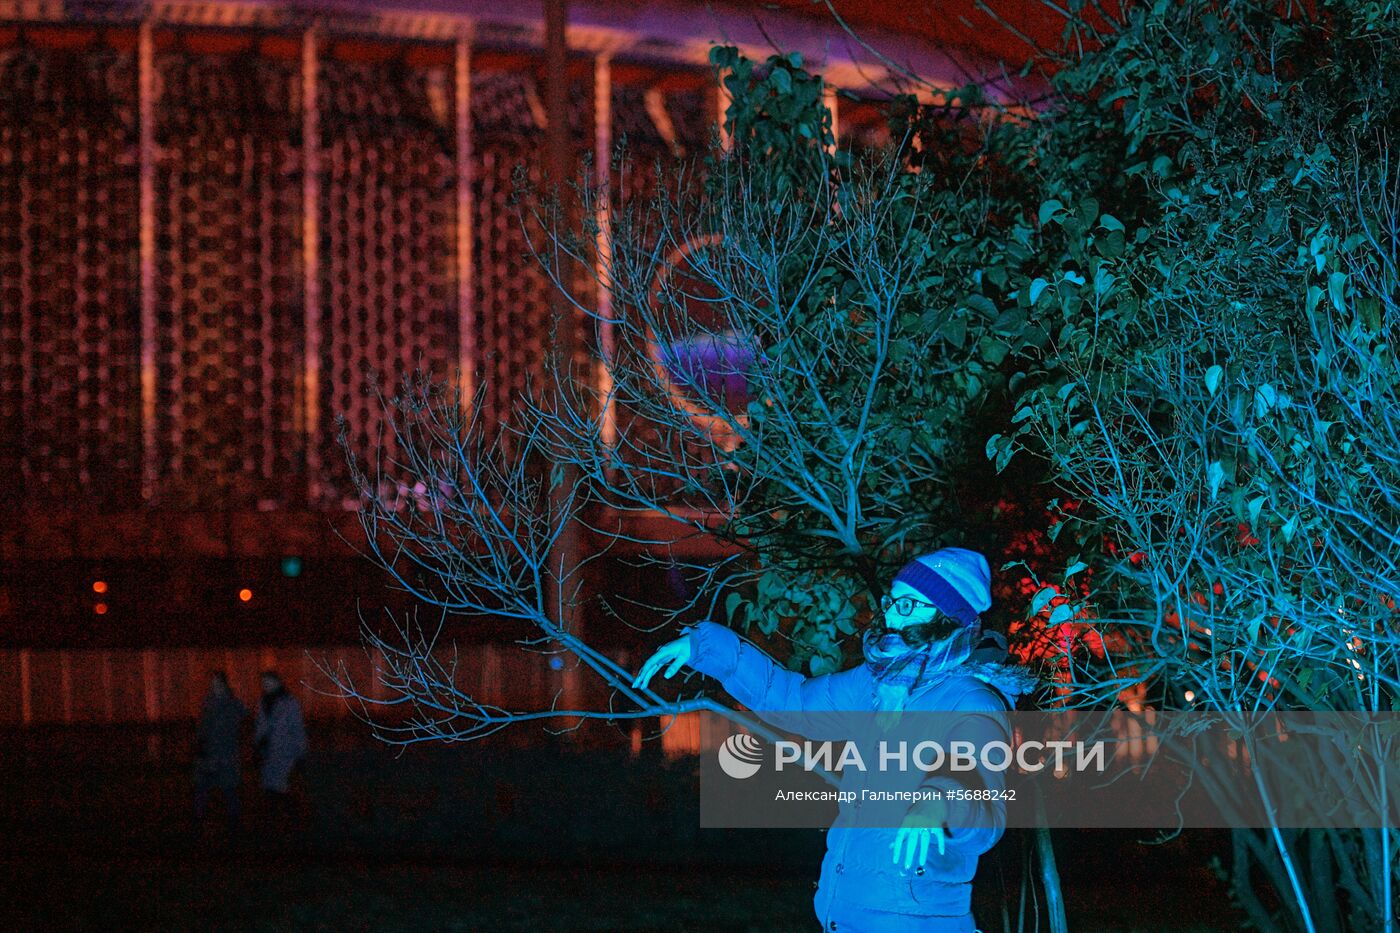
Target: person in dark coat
x=216, y=749
x=928, y=653
x=280, y=738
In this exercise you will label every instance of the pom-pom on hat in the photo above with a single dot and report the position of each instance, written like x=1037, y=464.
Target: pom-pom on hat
x=956, y=580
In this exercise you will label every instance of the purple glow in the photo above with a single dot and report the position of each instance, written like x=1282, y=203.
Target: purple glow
x=716, y=363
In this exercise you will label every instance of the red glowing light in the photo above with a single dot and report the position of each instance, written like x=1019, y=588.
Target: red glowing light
x=100, y=609
x=99, y=586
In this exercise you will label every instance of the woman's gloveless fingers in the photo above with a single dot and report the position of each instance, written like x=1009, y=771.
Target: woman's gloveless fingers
x=907, y=840
x=672, y=654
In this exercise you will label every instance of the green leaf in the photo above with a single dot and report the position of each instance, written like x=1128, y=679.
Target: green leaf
x=954, y=330
x=1237, y=504
x=732, y=603
x=1063, y=613
x=1048, y=210
x=1369, y=310
x=1213, y=379
x=1010, y=323
x=1088, y=210
x=1109, y=222
x=1336, y=289
x=981, y=304
x=1004, y=457
x=1320, y=429
x=1215, y=475
x=1039, y=600
x=1075, y=568
x=1037, y=287
x=845, y=619
x=993, y=351
x=1314, y=296
x=722, y=56
x=1255, y=505
x=1265, y=398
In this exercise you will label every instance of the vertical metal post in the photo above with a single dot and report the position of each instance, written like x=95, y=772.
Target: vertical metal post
x=466, y=206
x=722, y=102
x=146, y=110
x=150, y=681
x=602, y=163
x=109, y=701
x=65, y=683
x=564, y=578
x=26, y=695
x=311, y=256
x=556, y=93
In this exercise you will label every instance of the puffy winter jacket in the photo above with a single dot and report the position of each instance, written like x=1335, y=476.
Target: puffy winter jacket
x=860, y=887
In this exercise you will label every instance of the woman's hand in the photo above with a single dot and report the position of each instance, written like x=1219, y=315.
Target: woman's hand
x=924, y=822
x=675, y=653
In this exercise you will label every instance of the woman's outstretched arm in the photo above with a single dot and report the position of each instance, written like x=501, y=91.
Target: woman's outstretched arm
x=783, y=698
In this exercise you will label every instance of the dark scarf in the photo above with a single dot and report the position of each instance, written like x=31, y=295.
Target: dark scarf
x=895, y=664
x=899, y=670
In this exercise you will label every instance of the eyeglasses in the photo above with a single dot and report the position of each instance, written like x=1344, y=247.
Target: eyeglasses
x=904, y=605
x=914, y=636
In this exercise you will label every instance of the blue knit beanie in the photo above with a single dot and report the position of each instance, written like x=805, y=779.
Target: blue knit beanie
x=956, y=580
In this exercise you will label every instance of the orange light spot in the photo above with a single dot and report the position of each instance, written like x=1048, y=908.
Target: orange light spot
x=245, y=594
x=100, y=609
x=99, y=586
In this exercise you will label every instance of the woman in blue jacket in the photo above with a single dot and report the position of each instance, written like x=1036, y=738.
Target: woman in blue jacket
x=928, y=655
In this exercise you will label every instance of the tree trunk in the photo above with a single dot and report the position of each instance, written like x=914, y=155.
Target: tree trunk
x=1049, y=872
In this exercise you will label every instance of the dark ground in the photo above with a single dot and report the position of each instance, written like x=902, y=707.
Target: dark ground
x=95, y=834
x=311, y=893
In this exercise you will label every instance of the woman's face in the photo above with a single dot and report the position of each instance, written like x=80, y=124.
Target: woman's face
x=922, y=611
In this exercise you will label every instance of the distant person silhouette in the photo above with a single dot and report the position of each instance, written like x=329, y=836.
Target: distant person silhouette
x=280, y=740
x=217, y=765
